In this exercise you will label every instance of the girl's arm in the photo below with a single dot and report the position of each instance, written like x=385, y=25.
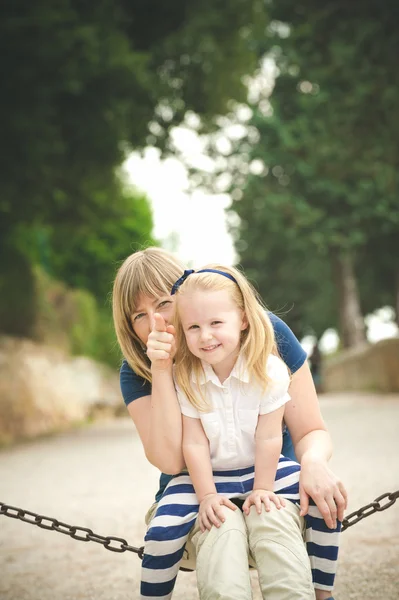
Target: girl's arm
x=197, y=457
x=158, y=417
x=269, y=437
x=313, y=449
x=268, y=443
x=198, y=461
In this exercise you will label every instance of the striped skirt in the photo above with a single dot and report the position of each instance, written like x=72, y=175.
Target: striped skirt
x=177, y=512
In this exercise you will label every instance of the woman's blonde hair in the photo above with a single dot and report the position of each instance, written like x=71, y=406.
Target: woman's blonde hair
x=257, y=340
x=150, y=272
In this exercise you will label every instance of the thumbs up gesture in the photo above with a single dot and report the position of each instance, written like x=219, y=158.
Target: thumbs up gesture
x=161, y=346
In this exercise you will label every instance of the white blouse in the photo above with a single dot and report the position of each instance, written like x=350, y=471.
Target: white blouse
x=235, y=407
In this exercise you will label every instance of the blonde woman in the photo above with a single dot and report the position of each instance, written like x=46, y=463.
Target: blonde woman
x=142, y=289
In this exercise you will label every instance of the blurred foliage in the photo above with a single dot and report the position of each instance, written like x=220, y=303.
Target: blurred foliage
x=17, y=293
x=315, y=179
x=84, y=257
x=331, y=139
x=73, y=320
x=294, y=280
x=84, y=83
x=378, y=268
x=88, y=256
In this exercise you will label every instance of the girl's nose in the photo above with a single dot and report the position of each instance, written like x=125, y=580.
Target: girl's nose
x=206, y=335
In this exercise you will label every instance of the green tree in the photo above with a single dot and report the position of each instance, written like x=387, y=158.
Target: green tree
x=377, y=265
x=291, y=274
x=327, y=138
x=84, y=83
x=89, y=256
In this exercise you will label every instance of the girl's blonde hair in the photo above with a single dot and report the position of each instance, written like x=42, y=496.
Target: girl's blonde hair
x=149, y=272
x=257, y=340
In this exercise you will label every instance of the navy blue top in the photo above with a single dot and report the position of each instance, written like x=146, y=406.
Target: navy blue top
x=133, y=386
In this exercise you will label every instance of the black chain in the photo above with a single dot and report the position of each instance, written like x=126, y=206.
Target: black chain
x=82, y=534
x=117, y=544
x=370, y=509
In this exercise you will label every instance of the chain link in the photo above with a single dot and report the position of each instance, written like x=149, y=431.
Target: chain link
x=117, y=544
x=82, y=534
x=369, y=509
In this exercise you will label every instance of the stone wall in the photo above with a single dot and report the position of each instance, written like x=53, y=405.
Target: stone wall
x=374, y=368
x=42, y=389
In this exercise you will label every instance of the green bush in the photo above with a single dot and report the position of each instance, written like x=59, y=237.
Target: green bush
x=17, y=294
x=71, y=319
x=84, y=322
x=106, y=347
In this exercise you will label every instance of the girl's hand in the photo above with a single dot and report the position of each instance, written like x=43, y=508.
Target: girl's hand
x=161, y=344
x=323, y=486
x=210, y=511
x=265, y=497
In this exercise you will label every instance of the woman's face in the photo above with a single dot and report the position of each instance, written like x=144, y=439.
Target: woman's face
x=143, y=318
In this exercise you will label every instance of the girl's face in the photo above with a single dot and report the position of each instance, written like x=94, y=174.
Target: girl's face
x=143, y=318
x=212, y=324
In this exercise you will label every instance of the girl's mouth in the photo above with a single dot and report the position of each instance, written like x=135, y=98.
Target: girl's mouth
x=210, y=348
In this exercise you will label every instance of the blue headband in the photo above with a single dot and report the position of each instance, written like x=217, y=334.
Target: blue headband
x=188, y=272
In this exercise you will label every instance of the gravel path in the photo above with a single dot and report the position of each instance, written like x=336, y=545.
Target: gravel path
x=98, y=477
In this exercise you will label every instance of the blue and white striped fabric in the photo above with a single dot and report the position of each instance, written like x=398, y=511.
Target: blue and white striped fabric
x=177, y=512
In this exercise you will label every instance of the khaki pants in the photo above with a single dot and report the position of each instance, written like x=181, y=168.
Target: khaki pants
x=273, y=542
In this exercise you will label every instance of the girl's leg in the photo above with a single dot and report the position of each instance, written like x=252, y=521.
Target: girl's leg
x=277, y=546
x=169, y=529
x=222, y=559
x=222, y=553
x=276, y=542
x=166, y=537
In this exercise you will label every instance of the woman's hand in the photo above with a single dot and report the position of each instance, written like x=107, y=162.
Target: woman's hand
x=161, y=344
x=210, y=511
x=323, y=486
x=265, y=497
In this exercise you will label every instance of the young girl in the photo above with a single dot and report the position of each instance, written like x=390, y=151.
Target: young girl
x=232, y=388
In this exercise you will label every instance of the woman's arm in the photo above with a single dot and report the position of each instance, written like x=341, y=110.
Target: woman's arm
x=159, y=424
x=313, y=449
x=158, y=417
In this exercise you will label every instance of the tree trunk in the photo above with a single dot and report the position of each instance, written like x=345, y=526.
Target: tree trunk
x=352, y=329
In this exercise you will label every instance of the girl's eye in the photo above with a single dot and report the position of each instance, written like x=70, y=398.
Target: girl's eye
x=193, y=327
x=137, y=317
x=216, y=322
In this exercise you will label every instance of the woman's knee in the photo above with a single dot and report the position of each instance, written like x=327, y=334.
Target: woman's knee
x=150, y=513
